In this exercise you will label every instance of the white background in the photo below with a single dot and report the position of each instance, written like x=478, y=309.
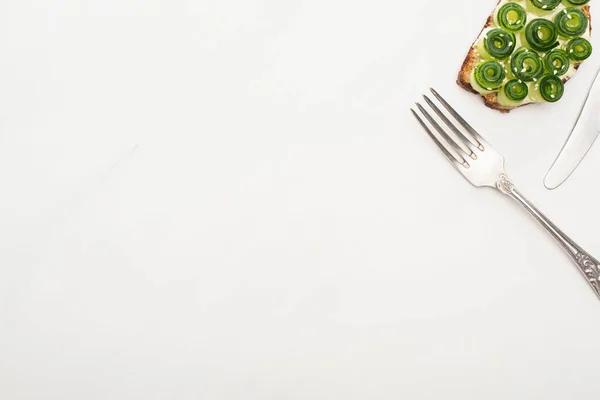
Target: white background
x=230, y=200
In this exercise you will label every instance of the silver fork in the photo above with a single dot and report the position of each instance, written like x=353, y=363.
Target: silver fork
x=483, y=166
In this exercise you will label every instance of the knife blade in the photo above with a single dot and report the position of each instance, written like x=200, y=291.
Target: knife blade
x=580, y=140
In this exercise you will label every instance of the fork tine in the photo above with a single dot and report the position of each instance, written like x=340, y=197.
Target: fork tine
x=478, y=139
x=463, y=142
x=451, y=142
x=453, y=160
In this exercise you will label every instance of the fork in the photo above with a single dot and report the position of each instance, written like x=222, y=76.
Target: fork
x=483, y=166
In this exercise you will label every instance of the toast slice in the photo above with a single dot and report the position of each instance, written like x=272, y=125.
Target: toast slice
x=473, y=58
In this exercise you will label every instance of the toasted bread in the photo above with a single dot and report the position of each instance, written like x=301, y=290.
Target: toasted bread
x=472, y=59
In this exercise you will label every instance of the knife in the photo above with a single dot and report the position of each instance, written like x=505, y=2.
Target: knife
x=580, y=141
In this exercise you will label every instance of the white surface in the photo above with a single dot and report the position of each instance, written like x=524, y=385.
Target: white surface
x=229, y=200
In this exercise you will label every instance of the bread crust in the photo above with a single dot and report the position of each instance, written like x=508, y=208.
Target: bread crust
x=472, y=59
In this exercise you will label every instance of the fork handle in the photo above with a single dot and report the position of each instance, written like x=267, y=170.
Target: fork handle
x=587, y=265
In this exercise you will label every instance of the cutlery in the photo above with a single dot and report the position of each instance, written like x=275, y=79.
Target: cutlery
x=483, y=166
x=580, y=141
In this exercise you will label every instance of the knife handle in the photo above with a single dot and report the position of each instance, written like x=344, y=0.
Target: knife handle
x=587, y=265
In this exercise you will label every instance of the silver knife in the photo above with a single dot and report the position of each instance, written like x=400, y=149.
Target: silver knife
x=580, y=141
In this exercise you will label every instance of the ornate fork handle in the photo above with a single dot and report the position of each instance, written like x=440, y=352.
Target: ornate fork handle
x=587, y=265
